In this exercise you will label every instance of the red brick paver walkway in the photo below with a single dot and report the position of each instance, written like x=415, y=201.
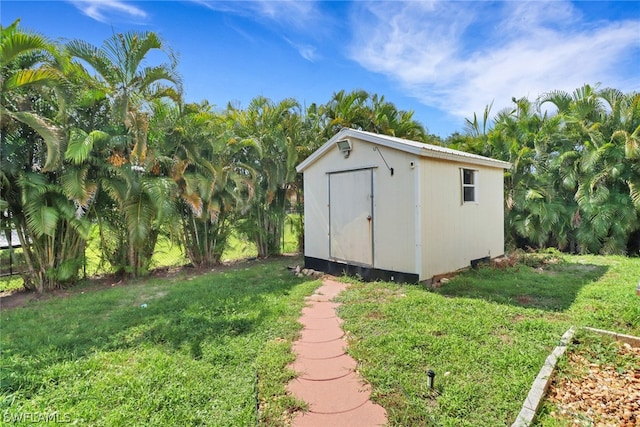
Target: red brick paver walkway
x=327, y=378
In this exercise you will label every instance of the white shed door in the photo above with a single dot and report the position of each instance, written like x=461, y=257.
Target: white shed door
x=351, y=216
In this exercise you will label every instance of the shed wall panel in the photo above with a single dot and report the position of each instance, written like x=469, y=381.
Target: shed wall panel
x=395, y=238
x=455, y=233
x=316, y=213
x=393, y=208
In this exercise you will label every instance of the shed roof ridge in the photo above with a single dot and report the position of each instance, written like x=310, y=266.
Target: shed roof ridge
x=424, y=145
x=415, y=147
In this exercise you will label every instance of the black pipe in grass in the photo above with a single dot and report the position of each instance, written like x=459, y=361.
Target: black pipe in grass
x=255, y=396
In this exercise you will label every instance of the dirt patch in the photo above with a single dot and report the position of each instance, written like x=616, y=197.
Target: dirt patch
x=145, y=298
x=16, y=299
x=546, y=272
x=503, y=334
x=519, y=317
x=375, y=315
x=587, y=268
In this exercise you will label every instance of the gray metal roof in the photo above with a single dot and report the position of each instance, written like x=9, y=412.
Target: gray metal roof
x=413, y=147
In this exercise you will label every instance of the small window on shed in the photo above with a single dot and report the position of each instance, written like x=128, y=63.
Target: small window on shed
x=469, y=185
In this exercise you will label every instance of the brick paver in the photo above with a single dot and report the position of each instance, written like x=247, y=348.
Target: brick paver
x=327, y=377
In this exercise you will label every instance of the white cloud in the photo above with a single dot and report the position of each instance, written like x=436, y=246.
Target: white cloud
x=306, y=51
x=101, y=10
x=287, y=13
x=461, y=56
x=294, y=20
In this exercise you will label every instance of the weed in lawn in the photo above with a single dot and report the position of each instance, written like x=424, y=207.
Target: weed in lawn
x=158, y=351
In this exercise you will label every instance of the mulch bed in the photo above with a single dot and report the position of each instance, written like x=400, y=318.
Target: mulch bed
x=595, y=394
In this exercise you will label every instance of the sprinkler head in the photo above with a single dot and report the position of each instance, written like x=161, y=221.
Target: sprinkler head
x=430, y=376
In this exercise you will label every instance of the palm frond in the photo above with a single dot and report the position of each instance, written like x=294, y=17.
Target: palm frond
x=81, y=144
x=32, y=77
x=151, y=75
x=561, y=99
x=139, y=214
x=76, y=186
x=50, y=133
x=15, y=42
x=95, y=58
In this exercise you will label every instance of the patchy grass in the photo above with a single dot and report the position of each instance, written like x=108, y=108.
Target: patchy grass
x=239, y=247
x=611, y=302
x=11, y=261
x=550, y=287
x=485, y=333
x=166, y=254
x=176, y=351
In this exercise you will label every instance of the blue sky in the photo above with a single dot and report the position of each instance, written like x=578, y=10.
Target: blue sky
x=444, y=60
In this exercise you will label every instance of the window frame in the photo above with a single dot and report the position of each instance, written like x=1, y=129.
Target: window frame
x=473, y=185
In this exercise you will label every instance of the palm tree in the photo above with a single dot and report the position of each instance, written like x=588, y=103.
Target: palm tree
x=28, y=61
x=346, y=110
x=575, y=172
x=136, y=194
x=202, y=156
x=530, y=217
x=624, y=128
x=131, y=86
x=360, y=110
x=609, y=166
x=273, y=128
x=45, y=199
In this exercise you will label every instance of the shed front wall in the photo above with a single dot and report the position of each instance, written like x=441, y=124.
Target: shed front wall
x=394, y=204
x=455, y=233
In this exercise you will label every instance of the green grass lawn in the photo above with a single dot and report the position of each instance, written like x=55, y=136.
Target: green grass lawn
x=175, y=351
x=485, y=333
x=198, y=350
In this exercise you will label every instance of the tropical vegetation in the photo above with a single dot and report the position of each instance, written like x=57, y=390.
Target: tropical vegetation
x=100, y=138
x=575, y=180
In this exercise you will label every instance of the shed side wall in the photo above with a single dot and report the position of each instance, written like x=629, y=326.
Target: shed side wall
x=455, y=233
x=316, y=212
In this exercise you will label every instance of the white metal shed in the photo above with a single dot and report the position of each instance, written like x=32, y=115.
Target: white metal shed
x=393, y=209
